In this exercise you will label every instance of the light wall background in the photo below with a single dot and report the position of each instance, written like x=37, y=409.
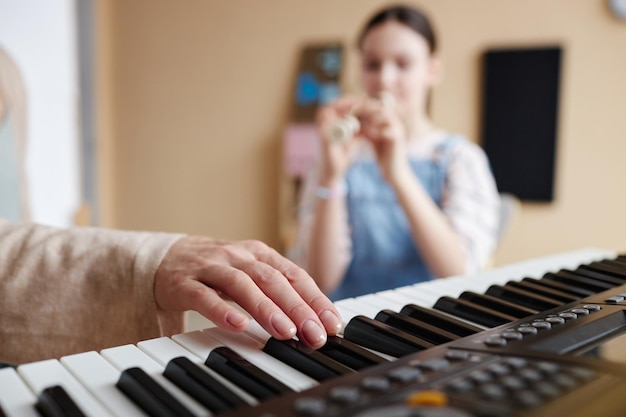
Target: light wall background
x=193, y=96
x=40, y=37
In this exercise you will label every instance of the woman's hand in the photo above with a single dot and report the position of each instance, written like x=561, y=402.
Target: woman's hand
x=382, y=126
x=281, y=296
x=336, y=154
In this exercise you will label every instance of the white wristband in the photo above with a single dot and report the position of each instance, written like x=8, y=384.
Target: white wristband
x=331, y=193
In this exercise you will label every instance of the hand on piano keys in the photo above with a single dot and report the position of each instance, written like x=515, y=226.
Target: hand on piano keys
x=215, y=371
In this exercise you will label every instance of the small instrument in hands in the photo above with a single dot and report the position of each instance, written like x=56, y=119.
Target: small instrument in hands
x=346, y=127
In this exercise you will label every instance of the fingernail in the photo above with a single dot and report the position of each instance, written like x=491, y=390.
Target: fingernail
x=331, y=321
x=313, y=334
x=236, y=319
x=283, y=325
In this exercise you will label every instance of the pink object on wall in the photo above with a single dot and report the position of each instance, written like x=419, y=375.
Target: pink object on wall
x=300, y=148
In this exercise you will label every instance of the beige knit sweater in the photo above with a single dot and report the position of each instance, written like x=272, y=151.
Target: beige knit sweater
x=66, y=291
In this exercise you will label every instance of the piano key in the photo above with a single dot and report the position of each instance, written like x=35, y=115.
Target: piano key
x=417, y=328
x=252, y=350
x=473, y=312
x=16, y=398
x=574, y=290
x=498, y=304
x=304, y=359
x=346, y=314
x=203, y=342
x=149, y=395
x=444, y=321
x=391, y=299
x=202, y=386
x=380, y=303
x=100, y=377
x=569, y=277
x=244, y=374
x=2, y=413
x=356, y=307
x=600, y=276
x=44, y=374
x=130, y=356
x=614, y=268
x=55, y=402
x=603, y=272
x=382, y=338
x=544, y=290
x=523, y=297
x=401, y=299
x=350, y=354
x=164, y=350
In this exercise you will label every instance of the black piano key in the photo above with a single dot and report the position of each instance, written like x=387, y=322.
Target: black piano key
x=615, y=269
x=244, y=374
x=415, y=327
x=443, y=321
x=473, y=312
x=382, y=338
x=600, y=276
x=350, y=354
x=544, y=290
x=570, y=278
x=523, y=297
x=202, y=386
x=306, y=360
x=151, y=397
x=498, y=304
x=2, y=413
x=571, y=289
x=56, y=402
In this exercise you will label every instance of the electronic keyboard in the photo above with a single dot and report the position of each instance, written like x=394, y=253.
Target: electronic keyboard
x=544, y=337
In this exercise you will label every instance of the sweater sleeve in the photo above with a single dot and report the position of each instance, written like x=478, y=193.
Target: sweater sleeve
x=72, y=290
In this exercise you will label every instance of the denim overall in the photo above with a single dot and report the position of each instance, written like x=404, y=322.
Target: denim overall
x=384, y=255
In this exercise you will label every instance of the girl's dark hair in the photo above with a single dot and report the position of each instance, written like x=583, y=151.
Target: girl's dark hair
x=407, y=15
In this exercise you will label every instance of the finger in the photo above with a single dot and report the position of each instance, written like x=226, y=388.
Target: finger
x=307, y=289
x=240, y=287
x=206, y=301
x=280, y=290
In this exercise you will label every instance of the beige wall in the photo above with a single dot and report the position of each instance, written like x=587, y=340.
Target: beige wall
x=194, y=94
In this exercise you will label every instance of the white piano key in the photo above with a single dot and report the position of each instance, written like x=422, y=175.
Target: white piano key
x=44, y=374
x=381, y=303
x=358, y=308
x=257, y=331
x=401, y=298
x=130, y=356
x=420, y=297
x=100, y=377
x=16, y=398
x=345, y=314
x=164, y=349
